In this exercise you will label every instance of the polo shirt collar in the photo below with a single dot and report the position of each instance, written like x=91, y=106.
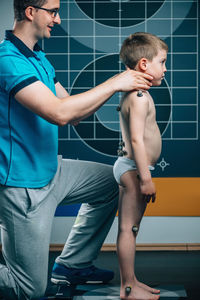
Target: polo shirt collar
x=20, y=45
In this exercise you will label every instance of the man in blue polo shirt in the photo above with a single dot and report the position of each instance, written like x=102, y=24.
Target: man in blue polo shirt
x=33, y=179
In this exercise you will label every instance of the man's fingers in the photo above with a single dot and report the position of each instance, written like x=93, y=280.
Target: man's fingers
x=143, y=84
x=147, y=76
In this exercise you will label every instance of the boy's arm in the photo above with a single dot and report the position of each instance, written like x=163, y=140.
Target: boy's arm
x=137, y=120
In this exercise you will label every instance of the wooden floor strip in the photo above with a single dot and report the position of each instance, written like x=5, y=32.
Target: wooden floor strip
x=143, y=247
x=140, y=247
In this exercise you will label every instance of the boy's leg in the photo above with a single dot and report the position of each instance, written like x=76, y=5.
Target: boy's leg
x=26, y=219
x=93, y=185
x=131, y=210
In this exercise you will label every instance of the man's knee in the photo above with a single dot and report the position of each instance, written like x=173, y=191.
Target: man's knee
x=33, y=292
x=36, y=290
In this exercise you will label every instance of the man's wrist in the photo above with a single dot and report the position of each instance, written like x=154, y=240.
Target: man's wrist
x=112, y=83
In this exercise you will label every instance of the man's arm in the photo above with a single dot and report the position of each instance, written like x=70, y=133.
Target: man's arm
x=62, y=110
x=60, y=91
x=137, y=119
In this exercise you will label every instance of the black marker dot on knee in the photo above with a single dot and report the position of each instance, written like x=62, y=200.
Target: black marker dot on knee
x=135, y=229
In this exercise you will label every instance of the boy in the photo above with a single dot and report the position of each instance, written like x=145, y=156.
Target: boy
x=140, y=149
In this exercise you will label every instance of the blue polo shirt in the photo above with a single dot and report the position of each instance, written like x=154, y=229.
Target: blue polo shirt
x=28, y=143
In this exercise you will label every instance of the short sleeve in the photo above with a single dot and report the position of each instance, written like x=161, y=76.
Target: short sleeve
x=16, y=72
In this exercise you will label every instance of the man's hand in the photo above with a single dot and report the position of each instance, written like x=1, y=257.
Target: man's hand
x=131, y=80
x=148, y=191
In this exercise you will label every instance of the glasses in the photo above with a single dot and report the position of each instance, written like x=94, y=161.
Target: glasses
x=53, y=12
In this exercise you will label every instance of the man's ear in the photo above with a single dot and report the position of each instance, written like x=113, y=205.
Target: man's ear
x=29, y=12
x=142, y=64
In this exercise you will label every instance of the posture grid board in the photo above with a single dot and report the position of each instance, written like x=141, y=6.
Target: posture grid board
x=84, y=50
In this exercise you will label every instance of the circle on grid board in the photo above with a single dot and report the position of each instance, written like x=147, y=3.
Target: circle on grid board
x=93, y=33
x=101, y=131
x=119, y=13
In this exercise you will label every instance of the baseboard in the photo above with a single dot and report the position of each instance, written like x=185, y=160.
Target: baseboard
x=140, y=247
x=143, y=247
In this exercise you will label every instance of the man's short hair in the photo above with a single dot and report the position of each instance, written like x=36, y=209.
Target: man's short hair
x=139, y=45
x=21, y=5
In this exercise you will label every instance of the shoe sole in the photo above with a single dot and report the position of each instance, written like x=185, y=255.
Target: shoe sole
x=60, y=281
x=66, y=282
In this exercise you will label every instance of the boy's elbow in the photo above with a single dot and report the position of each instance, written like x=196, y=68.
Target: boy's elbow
x=136, y=142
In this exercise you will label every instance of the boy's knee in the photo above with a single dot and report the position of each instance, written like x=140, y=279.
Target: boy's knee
x=129, y=229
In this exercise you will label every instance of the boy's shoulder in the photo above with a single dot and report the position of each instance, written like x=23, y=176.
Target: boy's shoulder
x=132, y=100
x=135, y=97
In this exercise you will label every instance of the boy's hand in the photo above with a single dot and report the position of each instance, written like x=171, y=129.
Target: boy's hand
x=148, y=191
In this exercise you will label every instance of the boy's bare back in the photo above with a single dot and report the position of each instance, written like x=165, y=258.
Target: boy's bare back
x=138, y=121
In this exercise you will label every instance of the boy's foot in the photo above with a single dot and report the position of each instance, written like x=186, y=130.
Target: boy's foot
x=147, y=288
x=137, y=293
x=64, y=275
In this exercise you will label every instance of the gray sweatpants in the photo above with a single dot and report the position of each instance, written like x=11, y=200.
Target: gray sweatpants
x=26, y=217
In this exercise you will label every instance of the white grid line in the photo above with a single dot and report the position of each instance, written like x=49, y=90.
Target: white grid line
x=161, y=122
x=68, y=57
x=171, y=83
x=124, y=36
x=126, y=19
x=120, y=64
x=197, y=78
x=116, y=139
x=94, y=60
x=161, y=1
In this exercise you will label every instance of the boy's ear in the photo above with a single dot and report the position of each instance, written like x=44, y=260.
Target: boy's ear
x=127, y=68
x=142, y=64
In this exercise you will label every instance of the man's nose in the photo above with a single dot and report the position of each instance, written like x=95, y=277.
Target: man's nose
x=57, y=19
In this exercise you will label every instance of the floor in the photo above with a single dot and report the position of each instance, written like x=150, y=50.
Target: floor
x=175, y=273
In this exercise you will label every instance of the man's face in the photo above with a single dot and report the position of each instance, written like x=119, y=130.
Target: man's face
x=157, y=67
x=44, y=20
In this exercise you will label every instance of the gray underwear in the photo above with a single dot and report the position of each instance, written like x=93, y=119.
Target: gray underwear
x=124, y=164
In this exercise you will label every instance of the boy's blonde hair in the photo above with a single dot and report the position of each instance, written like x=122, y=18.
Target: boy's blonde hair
x=139, y=45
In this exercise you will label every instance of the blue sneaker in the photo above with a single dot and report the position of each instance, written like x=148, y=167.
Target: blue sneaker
x=64, y=275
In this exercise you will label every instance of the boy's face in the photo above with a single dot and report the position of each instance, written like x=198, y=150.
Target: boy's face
x=45, y=20
x=157, y=67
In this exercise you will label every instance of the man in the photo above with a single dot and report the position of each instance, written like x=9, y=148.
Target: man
x=33, y=180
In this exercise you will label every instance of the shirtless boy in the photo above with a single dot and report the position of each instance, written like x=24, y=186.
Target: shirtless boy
x=140, y=149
